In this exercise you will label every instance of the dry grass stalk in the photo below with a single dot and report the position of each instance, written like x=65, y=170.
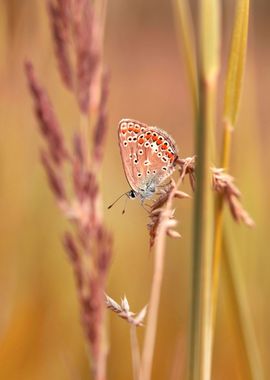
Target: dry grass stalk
x=89, y=247
x=161, y=216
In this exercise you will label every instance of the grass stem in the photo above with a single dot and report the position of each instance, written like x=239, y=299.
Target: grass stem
x=135, y=352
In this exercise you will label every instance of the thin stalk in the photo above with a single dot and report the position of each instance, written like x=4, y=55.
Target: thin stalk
x=219, y=216
x=238, y=294
x=231, y=105
x=135, y=352
x=200, y=353
x=151, y=324
x=152, y=314
x=200, y=348
x=186, y=30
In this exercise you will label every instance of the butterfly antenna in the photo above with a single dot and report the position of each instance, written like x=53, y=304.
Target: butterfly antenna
x=125, y=206
x=116, y=200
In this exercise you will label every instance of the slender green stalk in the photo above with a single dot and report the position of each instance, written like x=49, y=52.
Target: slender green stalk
x=239, y=299
x=231, y=105
x=200, y=354
x=202, y=250
x=184, y=23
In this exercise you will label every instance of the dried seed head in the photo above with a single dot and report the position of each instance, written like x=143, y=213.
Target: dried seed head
x=124, y=312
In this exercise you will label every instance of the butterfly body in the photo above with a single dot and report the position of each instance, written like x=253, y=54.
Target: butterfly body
x=148, y=155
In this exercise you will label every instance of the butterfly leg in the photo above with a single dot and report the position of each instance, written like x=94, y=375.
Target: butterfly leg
x=146, y=207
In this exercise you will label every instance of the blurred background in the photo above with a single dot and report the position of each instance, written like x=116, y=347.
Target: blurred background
x=40, y=333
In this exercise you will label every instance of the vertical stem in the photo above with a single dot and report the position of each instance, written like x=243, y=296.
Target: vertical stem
x=151, y=326
x=200, y=348
x=233, y=89
x=152, y=315
x=184, y=23
x=240, y=304
x=200, y=355
x=135, y=352
x=219, y=216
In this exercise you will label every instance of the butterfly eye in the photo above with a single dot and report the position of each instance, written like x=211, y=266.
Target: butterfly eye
x=140, y=151
x=139, y=174
x=159, y=154
x=125, y=143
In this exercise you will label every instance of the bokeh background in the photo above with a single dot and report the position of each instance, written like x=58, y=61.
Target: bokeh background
x=40, y=333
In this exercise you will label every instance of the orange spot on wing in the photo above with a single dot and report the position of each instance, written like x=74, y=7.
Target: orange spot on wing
x=164, y=147
x=141, y=141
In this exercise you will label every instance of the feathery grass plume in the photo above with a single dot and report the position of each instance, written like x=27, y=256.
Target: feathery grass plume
x=100, y=129
x=54, y=177
x=87, y=50
x=59, y=14
x=89, y=247
x=49, y=125
x=76, y=31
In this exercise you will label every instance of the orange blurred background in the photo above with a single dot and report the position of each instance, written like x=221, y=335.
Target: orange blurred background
x=40, y=333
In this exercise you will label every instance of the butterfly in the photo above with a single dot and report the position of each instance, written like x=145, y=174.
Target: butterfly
x=148, y=155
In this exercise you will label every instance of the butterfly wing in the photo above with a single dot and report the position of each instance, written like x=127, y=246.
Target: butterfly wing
x=148, y=154
x=128, y=132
